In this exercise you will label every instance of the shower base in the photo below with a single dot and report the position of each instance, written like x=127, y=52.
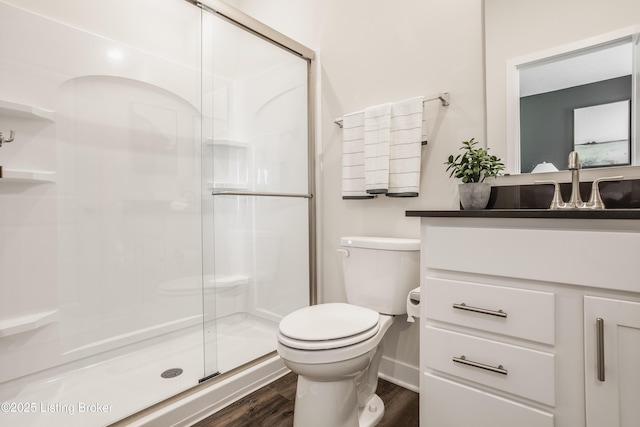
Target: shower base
x=100, y=392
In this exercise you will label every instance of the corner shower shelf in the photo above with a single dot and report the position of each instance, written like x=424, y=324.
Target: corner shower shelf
x=224, y=282
x=225, y=142
x=211, y=284
x=13, y=109
x=31, y=322
x=27, y=177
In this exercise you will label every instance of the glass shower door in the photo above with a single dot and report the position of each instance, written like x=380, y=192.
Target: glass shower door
x=256, y=180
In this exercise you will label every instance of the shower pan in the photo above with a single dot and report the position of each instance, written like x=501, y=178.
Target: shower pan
x=157, y=217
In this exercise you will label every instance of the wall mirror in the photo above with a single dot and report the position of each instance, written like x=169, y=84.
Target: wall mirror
x=562, y=76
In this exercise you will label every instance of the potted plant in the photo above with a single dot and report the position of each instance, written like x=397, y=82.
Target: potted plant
x=472, y=167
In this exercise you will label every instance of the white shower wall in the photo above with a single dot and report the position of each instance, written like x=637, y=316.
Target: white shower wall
x=93, y=246
x=129, y=210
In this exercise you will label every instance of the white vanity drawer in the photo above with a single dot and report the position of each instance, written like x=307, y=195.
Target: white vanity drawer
x=448, y=404
x=536, y=253
x=515, y=312
x=517, y=370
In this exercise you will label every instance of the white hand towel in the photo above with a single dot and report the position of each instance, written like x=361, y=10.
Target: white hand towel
x=405, y=149
x=377, y=137
x=353, y=185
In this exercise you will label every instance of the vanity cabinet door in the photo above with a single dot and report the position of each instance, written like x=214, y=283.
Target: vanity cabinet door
x=612, y=371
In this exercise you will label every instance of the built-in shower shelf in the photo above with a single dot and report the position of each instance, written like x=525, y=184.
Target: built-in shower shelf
x=223, y=282
x=28, y=177
x=31, y=322
x=14, y=109
x=225, y=142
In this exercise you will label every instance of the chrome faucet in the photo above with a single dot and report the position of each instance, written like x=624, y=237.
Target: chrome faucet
x=575, y=201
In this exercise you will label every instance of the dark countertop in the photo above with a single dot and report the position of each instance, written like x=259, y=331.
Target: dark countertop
x=530, y=213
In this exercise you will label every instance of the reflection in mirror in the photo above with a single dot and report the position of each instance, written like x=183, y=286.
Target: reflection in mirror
x=578, y=101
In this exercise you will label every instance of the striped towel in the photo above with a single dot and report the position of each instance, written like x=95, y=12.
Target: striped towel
x=377, y=137
x=353, y=186
x=407, y=129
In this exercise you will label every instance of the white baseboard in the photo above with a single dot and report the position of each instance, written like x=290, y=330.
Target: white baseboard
x=400, y=373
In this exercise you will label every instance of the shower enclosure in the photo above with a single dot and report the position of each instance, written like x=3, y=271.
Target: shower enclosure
x=156, y=210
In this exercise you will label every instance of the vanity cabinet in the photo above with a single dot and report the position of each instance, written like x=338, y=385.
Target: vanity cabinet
x=519, y=314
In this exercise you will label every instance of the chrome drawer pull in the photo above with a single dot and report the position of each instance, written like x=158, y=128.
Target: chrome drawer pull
x=462, y=359
x=600, y=348
x=466, y=307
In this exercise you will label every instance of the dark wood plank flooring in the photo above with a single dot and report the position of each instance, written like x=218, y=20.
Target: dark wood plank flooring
x=272, y=406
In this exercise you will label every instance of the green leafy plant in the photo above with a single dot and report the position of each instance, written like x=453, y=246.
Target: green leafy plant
x=474, y=165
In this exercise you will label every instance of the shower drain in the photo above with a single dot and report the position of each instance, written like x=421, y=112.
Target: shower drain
x=171, y=373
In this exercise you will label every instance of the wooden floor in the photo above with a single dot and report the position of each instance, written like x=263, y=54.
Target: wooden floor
x=272, y=406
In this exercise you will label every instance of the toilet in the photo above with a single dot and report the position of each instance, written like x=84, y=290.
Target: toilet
x=336, y=348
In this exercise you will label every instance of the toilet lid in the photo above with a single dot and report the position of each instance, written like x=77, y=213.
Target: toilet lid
x=329, y=322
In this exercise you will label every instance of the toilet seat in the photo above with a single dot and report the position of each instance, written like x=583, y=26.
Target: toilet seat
x=328, y=326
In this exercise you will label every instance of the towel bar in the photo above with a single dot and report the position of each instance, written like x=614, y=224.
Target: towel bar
x=260, y=194
x=443, y=98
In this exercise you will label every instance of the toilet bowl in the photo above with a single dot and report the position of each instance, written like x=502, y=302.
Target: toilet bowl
x=336, y=348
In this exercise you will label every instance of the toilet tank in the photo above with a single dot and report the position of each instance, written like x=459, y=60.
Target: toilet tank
x=379, y=272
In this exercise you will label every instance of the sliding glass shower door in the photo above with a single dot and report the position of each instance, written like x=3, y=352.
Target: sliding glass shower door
x=256, y=197
x=157, y=190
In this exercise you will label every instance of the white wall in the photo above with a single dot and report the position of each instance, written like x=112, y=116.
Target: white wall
x=373, y=52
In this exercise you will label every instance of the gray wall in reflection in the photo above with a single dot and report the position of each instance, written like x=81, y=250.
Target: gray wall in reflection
x=546, y=120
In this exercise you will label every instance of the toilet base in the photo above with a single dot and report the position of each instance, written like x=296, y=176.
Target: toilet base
x=334, y=403
x=371, y=413
x=325, y=403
